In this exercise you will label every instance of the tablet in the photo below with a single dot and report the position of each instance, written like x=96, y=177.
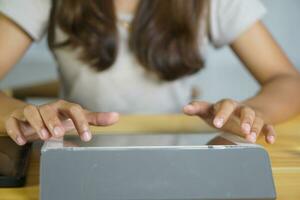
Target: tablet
x=151, y=140
x=155, y=166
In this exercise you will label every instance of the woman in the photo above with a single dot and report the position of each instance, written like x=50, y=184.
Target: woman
x=140, y=56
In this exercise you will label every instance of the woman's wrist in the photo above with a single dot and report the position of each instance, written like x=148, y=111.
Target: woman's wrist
x=9, y=105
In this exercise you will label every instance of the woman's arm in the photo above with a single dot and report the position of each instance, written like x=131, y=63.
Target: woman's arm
x=25, y=122
x=277, y=100
x=14, y=42
x=279, y=97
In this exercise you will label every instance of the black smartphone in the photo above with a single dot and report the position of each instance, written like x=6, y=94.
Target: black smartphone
x=14, y=161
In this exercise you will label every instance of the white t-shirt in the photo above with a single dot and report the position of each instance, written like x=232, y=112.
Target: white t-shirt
x=126, y=86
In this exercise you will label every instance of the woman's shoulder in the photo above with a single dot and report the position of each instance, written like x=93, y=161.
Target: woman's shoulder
x=229, y=18
x=31, y=15
x=228, y=6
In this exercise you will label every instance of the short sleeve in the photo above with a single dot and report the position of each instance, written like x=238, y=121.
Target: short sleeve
x=230, y=18
x=31, y=15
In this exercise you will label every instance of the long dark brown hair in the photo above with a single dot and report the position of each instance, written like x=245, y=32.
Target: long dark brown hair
x=164, y=34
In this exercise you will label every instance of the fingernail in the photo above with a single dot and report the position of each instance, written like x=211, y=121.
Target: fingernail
x=188, y=108
x=271, y=139
x=115, y=114
x=20, y=140
x=252, y=137
x=218, y=122
x=44, y=134
x=58, y=131
x=246, y=127
x=86, y=136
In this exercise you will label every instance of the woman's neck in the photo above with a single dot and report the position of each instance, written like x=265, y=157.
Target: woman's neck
x=126, y=6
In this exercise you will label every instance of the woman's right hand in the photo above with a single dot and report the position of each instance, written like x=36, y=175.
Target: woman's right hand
x=53, y=120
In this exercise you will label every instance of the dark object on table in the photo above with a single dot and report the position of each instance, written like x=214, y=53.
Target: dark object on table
x=14, y=161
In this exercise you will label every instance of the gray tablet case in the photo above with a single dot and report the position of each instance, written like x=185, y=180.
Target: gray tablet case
x=148, y=169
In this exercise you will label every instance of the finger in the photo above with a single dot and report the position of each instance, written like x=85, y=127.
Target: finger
x=35, y=120
x=223, y=111
x=101, y=119
x=76, y=113
x=51, y=121
x=200, y=108
x=28, y=132
x=270, y=134
x=255, y=129
x=14, y=131
x=68, y=124
x=247, y=118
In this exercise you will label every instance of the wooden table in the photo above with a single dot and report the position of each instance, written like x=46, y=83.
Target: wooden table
x=285, y=154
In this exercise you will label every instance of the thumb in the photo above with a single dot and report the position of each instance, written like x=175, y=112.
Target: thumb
x=200, y=108
x=102, y=118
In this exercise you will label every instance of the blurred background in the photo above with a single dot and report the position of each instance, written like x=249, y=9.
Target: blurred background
x=223, y=77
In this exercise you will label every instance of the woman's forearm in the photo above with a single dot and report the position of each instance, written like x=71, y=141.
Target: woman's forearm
x=278, y=99
x=8, y=105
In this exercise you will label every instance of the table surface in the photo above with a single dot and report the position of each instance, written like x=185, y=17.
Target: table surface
x=284, y=154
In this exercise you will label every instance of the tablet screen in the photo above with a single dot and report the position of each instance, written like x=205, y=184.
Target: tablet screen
x=127, y=140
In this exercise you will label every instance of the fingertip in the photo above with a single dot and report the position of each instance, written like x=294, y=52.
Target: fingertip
x=188, y=109
x=86, y=136
x=251, y=137
x=218, y=122
x=246, y=128
x=44, y=134
x=20, y=140
x=270, y=139
x=103, y=119
x=270, y=136
x=13, y=130
x=114, y=117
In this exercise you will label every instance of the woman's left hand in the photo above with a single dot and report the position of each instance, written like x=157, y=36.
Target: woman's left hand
x=232, y=116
